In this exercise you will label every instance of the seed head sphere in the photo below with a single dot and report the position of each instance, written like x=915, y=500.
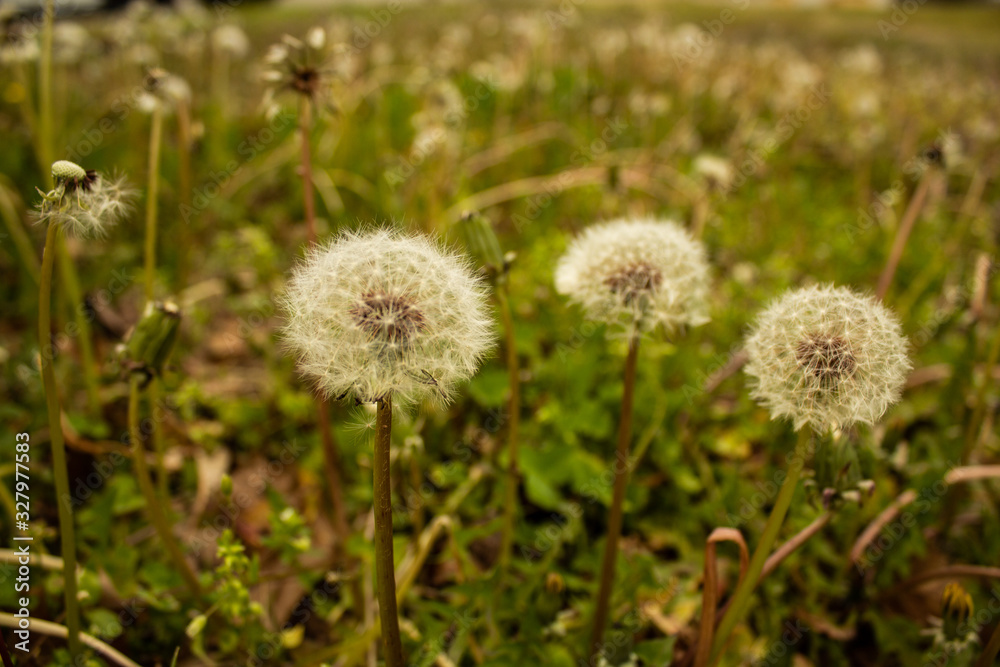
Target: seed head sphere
x=379, y=312
x=645, y=272
x=827, y=357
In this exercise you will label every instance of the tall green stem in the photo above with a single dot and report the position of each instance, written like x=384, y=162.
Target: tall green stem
x=384, y=566
x=738, y=606
x=621, y=469
x=152, y=202
x=184, y=184
x=305, y=125
x=67, y=533
x=45, y=88
x=156, y=514
x=71, y=283
x=513, y=428
x=152, y=198
x=67, y=272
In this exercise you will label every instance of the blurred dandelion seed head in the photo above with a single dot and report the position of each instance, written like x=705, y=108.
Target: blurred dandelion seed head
x=827, y=357
x=647, y=272
x=304, y=67
x=381, y=312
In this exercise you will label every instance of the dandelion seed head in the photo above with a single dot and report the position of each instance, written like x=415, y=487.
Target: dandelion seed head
x=647, y=272
x=85, y=203
x=381, y=312
x=303, y=67
x=827, y=357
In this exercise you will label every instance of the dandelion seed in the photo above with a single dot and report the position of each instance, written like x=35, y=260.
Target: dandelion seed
x=647, y=272
x=381, y=312
x=826, y=356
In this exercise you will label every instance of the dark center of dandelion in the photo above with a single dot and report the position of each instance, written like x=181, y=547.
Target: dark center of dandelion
x=85, y=183
x=388, y=318
x=634, y=281
x=827, y=358
x=306, y=80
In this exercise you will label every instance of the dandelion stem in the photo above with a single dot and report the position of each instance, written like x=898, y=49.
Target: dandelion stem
x=184, y=183
x=152, y=197
x=621, y=470
x=384, y=568
x=67, y=272
x=738, y=606
x=305, y=124
x=152, y=201
x=71, y=283
x=513, y=427
x=59, y=465
x=156, y=514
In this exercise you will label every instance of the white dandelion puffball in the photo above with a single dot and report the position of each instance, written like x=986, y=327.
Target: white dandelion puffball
x=380, y=312
x=646, y=272
x=827, y=357
x=84, y=202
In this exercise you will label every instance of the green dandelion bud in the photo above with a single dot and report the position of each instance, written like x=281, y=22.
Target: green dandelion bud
x=153, y=339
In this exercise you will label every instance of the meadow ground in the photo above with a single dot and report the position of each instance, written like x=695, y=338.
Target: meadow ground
x=801, y=147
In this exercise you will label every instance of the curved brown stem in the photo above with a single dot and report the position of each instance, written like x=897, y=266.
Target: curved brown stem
x=621, y=469
x=384, y=569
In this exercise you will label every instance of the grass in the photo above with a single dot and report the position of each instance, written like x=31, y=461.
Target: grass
x=549, y=123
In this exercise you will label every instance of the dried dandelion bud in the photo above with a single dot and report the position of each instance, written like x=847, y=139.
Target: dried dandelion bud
x=83, y=202
x=827, y=357
x=646, y=272
x=381, y=312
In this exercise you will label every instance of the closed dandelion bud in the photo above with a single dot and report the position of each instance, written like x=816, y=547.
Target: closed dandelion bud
x=481, y=241
x=153, y=338
x=643, y=272
x=827, y=357
x=957, y=609
x=380, y=312
x=83, y=202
